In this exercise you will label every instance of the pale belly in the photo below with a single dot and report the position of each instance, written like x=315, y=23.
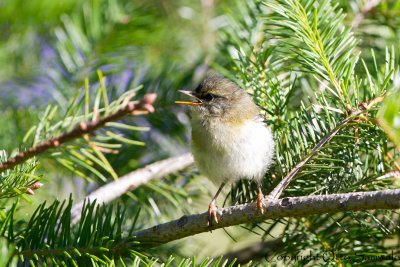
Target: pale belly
x=227, y=154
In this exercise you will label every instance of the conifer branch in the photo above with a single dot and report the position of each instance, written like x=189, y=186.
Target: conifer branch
x=362, y=108
x=117, y=188
x=129, y=107
x=117, y=249
x=278, y=208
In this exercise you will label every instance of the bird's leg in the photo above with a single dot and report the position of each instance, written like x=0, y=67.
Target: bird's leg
x=213, y=209
x=260, y=198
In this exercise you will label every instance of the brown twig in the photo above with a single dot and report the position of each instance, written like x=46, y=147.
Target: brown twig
x=277, y=191
x=362, y=108
x=133, y=180
x=145, y=105
x=279, y=208
x=390, y=157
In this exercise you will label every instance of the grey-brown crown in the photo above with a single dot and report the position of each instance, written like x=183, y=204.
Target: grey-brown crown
x=224, y=99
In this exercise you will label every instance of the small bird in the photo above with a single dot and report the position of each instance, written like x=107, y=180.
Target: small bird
x=230, y=140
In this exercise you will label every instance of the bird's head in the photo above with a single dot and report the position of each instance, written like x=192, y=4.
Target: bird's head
x=218, y=97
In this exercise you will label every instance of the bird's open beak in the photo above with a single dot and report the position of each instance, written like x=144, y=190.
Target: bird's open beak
x=189, y=93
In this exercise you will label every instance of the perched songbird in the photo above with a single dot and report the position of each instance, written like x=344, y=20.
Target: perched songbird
x=229, y=138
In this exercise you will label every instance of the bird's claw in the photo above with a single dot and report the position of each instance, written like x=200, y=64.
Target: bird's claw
x=260, y=200
x=212, y=214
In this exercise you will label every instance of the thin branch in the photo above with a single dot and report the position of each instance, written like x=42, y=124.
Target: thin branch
x=145, y=105
x=394, y=174
x=286, y=207
x=133, y=180
x=362, y=108
x=277, y=191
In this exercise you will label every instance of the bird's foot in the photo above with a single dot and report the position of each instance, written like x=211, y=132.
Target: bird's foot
x=212, y=214
x=260, y=199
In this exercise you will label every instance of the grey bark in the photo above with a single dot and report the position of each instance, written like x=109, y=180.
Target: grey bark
x=132, y=180
x=285, y=207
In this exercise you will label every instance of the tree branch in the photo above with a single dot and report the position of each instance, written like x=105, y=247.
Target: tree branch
x=145, y=105
x=286, y=207
x=362, y=108
x=133, y=180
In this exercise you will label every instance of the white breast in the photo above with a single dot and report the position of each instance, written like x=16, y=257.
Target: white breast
x=233, y=152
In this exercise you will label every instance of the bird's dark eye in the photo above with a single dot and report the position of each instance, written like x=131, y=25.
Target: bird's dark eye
x=208, y=97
